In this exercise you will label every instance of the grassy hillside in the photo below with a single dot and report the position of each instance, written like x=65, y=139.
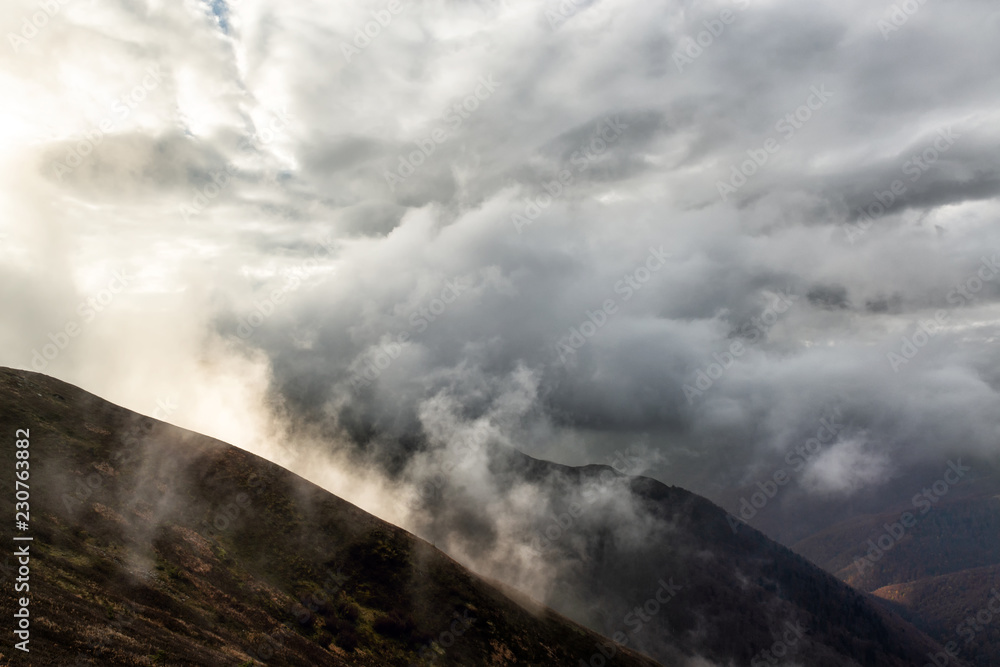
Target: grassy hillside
x=157, y=546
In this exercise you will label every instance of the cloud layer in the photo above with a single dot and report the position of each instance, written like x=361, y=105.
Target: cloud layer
x=393, y=228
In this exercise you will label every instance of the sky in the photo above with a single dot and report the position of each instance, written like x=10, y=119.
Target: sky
x=365, y=240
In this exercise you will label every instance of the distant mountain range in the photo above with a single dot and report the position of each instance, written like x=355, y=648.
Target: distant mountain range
x=926, y=544
x=933, y=558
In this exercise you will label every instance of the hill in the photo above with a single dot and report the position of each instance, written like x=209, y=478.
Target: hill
x=156, y=545
x=939, y=571
x=153, y=545
x=742, y=592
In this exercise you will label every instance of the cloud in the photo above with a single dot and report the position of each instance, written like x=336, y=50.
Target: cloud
x=847, y=465
x=341, y=274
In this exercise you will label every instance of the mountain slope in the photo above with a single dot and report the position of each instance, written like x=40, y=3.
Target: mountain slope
x=155, y=545
x=938, y=572
x=744, y=598
x=963, y=607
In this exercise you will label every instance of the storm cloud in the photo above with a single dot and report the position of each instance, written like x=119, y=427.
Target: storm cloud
x=381, y=231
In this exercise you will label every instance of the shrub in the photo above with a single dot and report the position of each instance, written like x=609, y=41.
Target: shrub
x=393, y=625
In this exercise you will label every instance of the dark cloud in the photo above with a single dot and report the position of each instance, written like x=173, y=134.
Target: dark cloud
x=391, y=321
x=828, y=296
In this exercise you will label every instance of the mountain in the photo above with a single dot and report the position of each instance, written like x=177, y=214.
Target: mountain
x=745, y=600
x=933, y=557
x=156, y=545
